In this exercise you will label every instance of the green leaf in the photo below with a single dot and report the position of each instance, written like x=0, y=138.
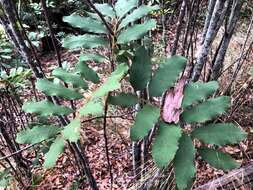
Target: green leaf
x=214, y=134
x=124, y=6
x=37, y=134
x=218, y=159
x=165, y=144
x=144, y=122
x=93, y=107
x=70, y=78
x=45, y=108
x=166, y=75
x=113, y=81
x=251, y=72
x=52, y=89
x=86, y=24
x=56, y=148
x=140, y=70
x=86, y=72
x=198, y=91
x=184, y=166
x=72, y=131
x=138, y=13
x=84, y=41
x=206, y=110
x=4, y=178
x=123, y=99
x=105, y=9
x=136, y=32
x=92, y=57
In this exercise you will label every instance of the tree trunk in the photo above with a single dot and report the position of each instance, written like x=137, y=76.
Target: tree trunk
x=213, y=28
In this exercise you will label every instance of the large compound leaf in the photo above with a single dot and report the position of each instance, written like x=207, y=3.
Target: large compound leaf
x=198, y=91
x=113, y=81
x=84, y=41
x=206, y=110
x=136, y=32
x=166, y=75
x=165, y=144
x=70, y=78
x=45, y=108
x=93, y=107
x=123, y=100
x=72, y=131
x=218, y=159
x=219, y=134
x=37, y=134
x=138, y=13
x=144, y=122
x=105, y=9
x=92, y=57
x=184, y=166
x=124, y=6
x=51, y=89
x=140, y=70
x=56, y=148
x=86, y=23
x=86, y=72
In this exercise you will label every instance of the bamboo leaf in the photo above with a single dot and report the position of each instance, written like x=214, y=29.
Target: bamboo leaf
x=93, y=107
x=56, y=148
x=72, y=131
x=166, y=75
x=184, y=166
x=86, y=24
x=37, y=134
x=105, y=9
x=123, y=99
x=46, y=108
x=70, y=78
x=198, y=91
x=218, y=159
x=144, y=122
x=138, y=13
x=206, y=110
x=214, y=134
x=136, y=32
x=122, y=7
x=141, y=64
x=52, y=89
x=165, y=144
x=113, y=81
x=84, y=41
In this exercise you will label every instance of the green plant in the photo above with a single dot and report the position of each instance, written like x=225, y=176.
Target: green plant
x=174, y=144
x=110, y=29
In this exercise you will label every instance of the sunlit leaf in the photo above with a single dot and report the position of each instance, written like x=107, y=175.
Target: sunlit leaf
x=136, y=32
x=86, y=23
x=45, y=108
x=72, y=131
x=56, y=148
x=70, y=78
x=51, y=89
x=37, y=134
x=84, y=41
